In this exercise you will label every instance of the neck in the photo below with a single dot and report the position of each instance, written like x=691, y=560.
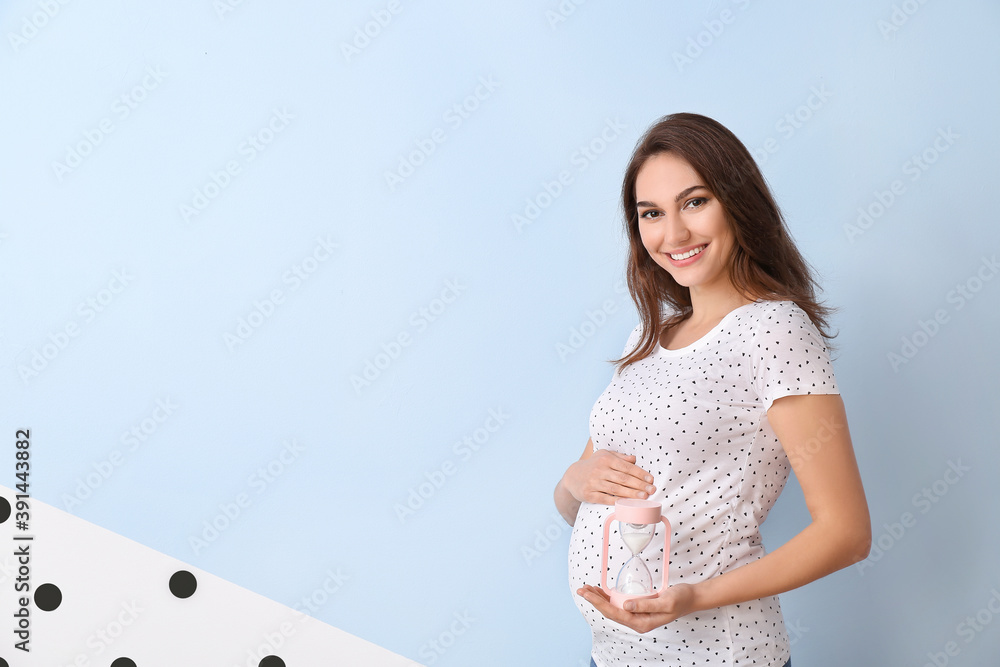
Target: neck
x=712, y=304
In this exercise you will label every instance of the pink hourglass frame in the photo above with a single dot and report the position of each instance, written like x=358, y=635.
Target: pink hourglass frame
x=629, y=510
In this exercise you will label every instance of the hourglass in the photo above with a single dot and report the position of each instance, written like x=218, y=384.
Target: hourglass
x=637, y=521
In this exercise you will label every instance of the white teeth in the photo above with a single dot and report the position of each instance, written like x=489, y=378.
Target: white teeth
x=689, y=253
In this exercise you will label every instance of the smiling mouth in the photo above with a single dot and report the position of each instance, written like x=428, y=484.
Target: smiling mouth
x=689, y=253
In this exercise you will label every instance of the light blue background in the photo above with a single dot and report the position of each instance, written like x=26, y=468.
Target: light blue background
x=478, y=545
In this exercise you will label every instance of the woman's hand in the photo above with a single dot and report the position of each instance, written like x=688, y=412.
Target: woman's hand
x=605, y=476
x=644, y=615
x=600, y=477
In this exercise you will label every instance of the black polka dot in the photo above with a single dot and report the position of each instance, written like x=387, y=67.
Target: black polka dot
x=183, y=584
x=272, y=661
x=123, y=662
x=4, y=512
x=48, y=597
x=3, y=663
x=695, y=418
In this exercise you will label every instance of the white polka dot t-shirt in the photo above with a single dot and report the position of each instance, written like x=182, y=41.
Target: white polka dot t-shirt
x=696, y=419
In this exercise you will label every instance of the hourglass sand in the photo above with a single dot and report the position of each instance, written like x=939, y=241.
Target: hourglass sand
x=637, y=521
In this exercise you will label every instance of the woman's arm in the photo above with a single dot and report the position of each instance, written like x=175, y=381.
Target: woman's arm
x=813, y=431
x=600, y=478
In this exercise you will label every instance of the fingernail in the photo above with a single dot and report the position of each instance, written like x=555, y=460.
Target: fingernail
x=642, y=495
x=629, y=606
x=650, y=489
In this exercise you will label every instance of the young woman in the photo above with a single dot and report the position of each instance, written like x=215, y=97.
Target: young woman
x=723, y=387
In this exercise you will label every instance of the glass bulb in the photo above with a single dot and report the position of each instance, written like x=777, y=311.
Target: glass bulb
x=634, y=578
x=636, y=536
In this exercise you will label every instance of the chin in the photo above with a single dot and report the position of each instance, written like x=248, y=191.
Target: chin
x=683, y=281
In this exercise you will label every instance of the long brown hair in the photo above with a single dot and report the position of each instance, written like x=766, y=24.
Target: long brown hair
x=765, y=264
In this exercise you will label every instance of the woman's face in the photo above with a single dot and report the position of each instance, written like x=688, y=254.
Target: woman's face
x=682, y=225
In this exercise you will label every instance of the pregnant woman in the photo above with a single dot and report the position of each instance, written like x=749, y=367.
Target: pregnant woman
x=724, y=387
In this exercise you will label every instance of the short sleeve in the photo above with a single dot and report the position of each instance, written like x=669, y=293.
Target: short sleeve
x=790, y=356
x=630, y=344
x=633, y=339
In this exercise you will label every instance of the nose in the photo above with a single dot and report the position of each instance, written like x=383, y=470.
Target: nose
x=675, y=232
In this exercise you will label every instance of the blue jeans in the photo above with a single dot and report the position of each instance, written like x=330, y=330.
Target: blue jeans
x=594, y=664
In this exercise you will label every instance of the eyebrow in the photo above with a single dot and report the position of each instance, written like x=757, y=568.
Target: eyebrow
x=680, y=196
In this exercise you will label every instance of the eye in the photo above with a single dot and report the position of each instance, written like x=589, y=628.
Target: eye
x=649, y=214
x=696, y=202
